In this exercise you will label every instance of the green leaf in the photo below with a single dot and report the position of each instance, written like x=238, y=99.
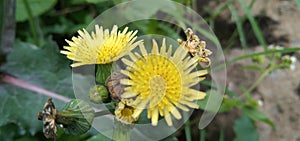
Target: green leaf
x=298, y=3
x=95, y=1
x=228, y=104
x=27, y=138
x=21, y=106
x=99, y=137
x=38, y=7
x=256, y=115
x=257, y=31
x=143, y=119
x=143, y=8
x=8, y=131
x=75, y=2
x=245, y=129
x=43, y=67
x=170, y=138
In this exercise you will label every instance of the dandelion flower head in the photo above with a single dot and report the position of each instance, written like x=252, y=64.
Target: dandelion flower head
x=101, y=46
x=161, y=82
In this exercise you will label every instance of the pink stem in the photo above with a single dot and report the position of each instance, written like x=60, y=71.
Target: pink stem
x=28, y=86
x=25, y=85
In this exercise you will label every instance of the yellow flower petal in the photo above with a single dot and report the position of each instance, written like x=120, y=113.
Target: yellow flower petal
x=101, y=46
x=160, y=82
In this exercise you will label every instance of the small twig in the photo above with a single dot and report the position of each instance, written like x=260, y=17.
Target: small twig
x=28, y=86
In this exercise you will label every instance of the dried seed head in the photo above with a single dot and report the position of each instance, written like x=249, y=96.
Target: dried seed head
x=114, y=87
x=196, y=47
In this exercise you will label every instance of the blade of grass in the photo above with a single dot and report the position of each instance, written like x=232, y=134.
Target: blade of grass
x=257, y=31
x=298, y=3
x=216, y=12
x=287, y=50
x=231, y=40
x=239, y=25
x=219, y=10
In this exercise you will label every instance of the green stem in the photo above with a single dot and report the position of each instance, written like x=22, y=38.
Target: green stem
x=103, y=72
x=121, y=132
x=187, y=128
x=247, y=56
x=202, y=135
x=31, y=22
x=102, y=113
x=261, y=78
x=239, y=25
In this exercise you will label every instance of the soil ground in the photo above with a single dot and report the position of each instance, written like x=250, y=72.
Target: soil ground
x=280, y=91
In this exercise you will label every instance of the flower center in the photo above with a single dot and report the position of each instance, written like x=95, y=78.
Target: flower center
x=127, y=111
x=158, y=88
x=157, y=80
x=157, y=85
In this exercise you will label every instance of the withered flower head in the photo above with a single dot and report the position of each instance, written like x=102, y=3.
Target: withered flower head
x=196, y=47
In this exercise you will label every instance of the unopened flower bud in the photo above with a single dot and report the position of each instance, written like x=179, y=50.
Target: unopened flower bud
x=258, y=59
x=99, y=94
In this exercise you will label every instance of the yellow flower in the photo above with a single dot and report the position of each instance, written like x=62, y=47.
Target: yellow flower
x=161, y=82
x=124, y=112
x=100, y=47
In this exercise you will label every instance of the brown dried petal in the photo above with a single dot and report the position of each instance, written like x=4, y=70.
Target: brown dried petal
x=114, y=87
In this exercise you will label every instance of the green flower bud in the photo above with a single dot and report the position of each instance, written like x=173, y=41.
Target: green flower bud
x=276, y=47
x=288, y=62
x=258, y=59
x=99, y=94
x=76, y=117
